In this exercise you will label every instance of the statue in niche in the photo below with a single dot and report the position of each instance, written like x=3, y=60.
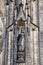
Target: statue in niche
x=20, y=42
x=20, y=47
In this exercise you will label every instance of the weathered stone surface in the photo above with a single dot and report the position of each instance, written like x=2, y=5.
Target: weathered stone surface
x=41, y=29
x=2, y=10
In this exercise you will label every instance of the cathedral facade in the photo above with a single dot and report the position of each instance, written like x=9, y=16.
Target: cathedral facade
x=20, y=32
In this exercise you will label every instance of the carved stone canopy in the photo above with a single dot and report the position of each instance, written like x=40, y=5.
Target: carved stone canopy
x=21, y=14
x=21, y=17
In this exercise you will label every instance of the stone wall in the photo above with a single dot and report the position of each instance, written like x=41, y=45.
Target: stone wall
x=1, y=58
x=41, y=29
